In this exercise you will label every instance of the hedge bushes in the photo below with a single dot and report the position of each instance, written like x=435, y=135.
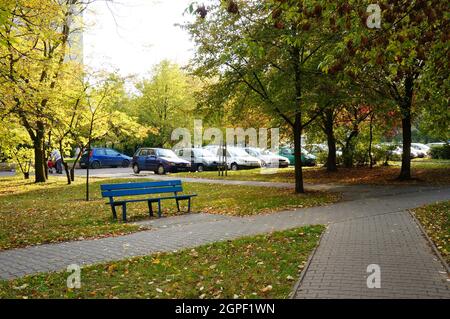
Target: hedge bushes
x=440, y=152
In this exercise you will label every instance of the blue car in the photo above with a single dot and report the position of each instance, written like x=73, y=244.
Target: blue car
x=158, y=160
x=104, y=157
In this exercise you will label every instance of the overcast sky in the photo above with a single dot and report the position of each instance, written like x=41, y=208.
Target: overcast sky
x=133, y=35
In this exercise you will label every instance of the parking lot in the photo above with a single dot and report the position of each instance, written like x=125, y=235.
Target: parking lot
x=108, y=172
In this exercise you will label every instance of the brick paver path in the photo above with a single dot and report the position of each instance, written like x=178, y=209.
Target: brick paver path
x=368, y=229
x=393, y=241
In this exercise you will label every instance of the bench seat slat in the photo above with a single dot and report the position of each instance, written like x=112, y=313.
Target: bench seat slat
x=132, y=185
x=141, y=191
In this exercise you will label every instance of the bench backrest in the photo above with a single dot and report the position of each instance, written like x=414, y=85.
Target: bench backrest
x=141, y=188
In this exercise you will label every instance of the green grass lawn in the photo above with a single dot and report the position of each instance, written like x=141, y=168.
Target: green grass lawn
x=264, y=266
x=435, y=219
x=41, y=213
x=426, y=163
x=425, y=171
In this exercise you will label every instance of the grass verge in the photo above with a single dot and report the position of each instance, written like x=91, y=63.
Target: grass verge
x=264, y=266
x=42, y=213
x=435, y=219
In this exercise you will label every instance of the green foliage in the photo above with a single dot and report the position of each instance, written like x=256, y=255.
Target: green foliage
x=434, y=120
x=15, y=146
x=440, y=152
x=165, y=101
x=99, y=101
x=250, y=59
x=12, y=138
x=321, y=156
x=383, y=153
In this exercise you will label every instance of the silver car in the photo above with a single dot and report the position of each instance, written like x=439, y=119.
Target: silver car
x=201, y=159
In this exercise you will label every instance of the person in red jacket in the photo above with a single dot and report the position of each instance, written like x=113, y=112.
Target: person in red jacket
x=50, y=166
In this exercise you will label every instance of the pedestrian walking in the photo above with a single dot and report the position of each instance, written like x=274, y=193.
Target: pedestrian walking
x=56, y=156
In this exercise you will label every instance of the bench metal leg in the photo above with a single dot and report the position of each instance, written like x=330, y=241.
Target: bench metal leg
x=113, y=208
x=178, y=204
x=159, y=208
x=189, y=205
x=150, y=208
x=124, y=212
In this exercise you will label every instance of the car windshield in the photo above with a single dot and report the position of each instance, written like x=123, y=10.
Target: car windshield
x=237, y=152
x=254, y=151
x=201, y=152
x=166, y=153
x=287, y=151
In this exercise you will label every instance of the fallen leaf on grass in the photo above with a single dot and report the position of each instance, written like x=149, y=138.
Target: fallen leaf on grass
x=290, y=278
x=266, y=289
x=21, y=287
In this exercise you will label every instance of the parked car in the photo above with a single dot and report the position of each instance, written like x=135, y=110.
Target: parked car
x=158, y=160
x=267, y=158
x=237, y=158
x=103, y=157
x=201, y=159
x=398, y=151
x=421, y=149
x=307, y=159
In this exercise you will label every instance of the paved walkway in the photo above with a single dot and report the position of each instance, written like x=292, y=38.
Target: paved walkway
x=408, y=267
x=370, y=228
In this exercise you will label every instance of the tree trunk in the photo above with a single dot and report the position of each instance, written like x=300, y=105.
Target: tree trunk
x=87, y=170
x=296, y=56
x=370, y=141
x=347, y=155
x=39, y=154
x=405, y=108
x=46, y=155
x=298, y=154
x=331, y=141
x=349, y=149
x=64, y=163
x=72, y=169
x=66, y=169
x=91, y=127
x=405, y=172
x=39, y=169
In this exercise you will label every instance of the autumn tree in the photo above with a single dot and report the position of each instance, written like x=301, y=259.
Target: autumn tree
x=15, y=145
x=165, y=101
x=270, y=49
x=396, y=59
x=91, y=115
x=34, y=37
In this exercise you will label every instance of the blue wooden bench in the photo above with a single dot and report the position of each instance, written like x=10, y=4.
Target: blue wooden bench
x=112, y=191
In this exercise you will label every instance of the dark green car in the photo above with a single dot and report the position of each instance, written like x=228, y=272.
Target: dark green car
x=307, y=158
